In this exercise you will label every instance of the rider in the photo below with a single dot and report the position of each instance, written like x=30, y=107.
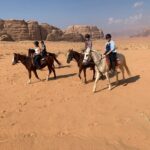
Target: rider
x=111, y=52
x=43, y=48
x=88, y=47
x=37, y=55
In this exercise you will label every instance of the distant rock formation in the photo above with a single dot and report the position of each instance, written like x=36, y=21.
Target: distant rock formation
x=19, y=30
x=73, y=37
x=94, y=31
x=144, y=33
x=55, y=35
x=50, y=32
x=33, y=30
x=5, y=37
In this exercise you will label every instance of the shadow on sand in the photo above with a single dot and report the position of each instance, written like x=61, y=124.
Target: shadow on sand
x=63, y=76
x=61, y=67
x=126, y=81
x=122, y=83
x=58, y=77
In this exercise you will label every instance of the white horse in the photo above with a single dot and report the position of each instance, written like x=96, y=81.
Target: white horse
x=103, y=67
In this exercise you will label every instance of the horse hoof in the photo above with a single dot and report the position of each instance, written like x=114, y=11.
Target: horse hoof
x=94, y=91
x=47, y=79
x=109, y=88
x=29, y=82
x=40, y=80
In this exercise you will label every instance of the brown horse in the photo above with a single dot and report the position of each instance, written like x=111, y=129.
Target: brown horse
x=79, y=59
x=28, y=63
x=32, y=51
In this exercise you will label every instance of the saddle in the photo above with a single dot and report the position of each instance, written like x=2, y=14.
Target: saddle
x=117, y=63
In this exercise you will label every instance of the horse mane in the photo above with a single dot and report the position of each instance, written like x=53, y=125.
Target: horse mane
x=23, y=55
x=96, y=55
x=79, y=53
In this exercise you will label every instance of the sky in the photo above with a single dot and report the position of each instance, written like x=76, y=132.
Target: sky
x=110, y=15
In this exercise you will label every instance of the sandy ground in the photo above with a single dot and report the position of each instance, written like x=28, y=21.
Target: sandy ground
x=64, y=114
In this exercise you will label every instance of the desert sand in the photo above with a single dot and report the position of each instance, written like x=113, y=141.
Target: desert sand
x=64, y=114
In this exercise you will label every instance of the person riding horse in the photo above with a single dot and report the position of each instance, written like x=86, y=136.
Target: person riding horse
x=111, y=52
x=41, y=55
x=37, y=55
x=44, y=50
x=88, y=48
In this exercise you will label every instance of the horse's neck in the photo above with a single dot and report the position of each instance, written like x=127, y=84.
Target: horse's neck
x=23, y=60
x=99, y=62
x=102, y=65
x=77, y=57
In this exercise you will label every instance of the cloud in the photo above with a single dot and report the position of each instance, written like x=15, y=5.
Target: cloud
x=129, y=20
x=112, y=20
x=138, y=4
x=134, y=19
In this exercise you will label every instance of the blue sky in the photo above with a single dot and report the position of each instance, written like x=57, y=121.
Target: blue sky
x=110, y=15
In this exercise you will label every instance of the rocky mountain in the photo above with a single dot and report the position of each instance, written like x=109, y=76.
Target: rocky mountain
x=18, y=30
x=83, y=29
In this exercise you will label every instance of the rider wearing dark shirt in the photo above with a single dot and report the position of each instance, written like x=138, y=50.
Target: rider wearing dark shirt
x=43, y=48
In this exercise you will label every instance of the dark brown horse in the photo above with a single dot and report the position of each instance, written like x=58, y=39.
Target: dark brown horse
x=28, y=63
x=32, y=51
x=78, y=57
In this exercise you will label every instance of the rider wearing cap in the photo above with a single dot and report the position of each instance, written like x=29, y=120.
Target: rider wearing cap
x=88, y=47
x=111, y=52
x=37, y=55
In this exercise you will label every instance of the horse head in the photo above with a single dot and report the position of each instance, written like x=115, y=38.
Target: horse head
x=70, y=55
x=15, y=59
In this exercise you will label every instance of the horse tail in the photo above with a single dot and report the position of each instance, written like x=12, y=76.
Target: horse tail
x=126, y=67
x=55, y=59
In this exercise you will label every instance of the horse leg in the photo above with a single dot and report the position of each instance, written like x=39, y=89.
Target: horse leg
x=80, y=70
x=36, y=75
x=30, y=75
x=85, y=81
x=126, y=68
x=122, y=70
x=49, y=72
x=108, y=79
x=96, y=81
x=53, y=69
x=116, y=74
x=93, y=73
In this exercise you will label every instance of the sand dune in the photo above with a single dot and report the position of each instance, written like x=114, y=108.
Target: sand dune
x=64, y=114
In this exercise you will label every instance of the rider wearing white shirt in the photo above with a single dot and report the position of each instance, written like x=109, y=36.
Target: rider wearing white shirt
x=88, y=47
x=37, y=56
